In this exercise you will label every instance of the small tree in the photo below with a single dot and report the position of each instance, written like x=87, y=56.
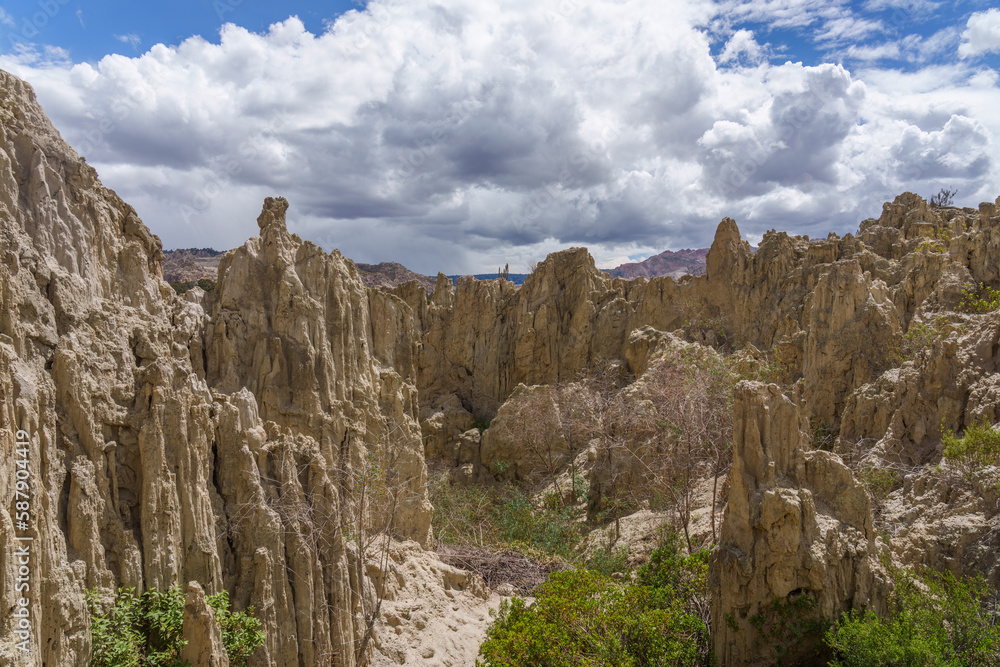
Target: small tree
x=944, y=197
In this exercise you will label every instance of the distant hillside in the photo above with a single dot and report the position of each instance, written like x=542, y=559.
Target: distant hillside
x=191, y=264
x=668, y=263
x=389, y=274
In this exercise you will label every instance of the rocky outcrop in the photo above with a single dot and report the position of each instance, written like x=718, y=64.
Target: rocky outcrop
x=797, y=524
x=204, y=647
x=215, y=439
x=189, y=264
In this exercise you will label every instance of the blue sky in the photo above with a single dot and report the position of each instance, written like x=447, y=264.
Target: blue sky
x=455, y=134
x=88, y=31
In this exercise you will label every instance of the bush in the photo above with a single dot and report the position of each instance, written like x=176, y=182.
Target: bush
x=979, y=299
x=607, y=559
x=181, y=286
x=137, y=630
x=980, y=446
x=584, y=618
x=944, y=197
x=936, y=619
x=147, y=629
x=504, y=518
x=241, y=633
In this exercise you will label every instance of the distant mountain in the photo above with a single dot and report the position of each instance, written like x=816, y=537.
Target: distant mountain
x=389, y=274
x=191, y=264
x=668, y=263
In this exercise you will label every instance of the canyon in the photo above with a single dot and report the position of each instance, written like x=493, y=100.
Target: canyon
x=228, y=438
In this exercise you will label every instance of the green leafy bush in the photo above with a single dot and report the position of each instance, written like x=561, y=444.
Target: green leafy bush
x=936, y=619
x=137, y=630
x=607, y=559
x=147, y=629
x=181, y=286
x=241, y=633
x=979, y=299
x=980, y=446
x=582, y=617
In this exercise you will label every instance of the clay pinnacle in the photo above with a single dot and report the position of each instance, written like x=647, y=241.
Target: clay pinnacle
x=273, y=212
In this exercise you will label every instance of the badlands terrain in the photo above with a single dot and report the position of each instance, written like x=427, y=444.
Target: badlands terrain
x=230, y=438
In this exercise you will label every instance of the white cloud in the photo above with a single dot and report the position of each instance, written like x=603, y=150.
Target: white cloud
x=885, y=51
x=458, y=135
x=982, y=34
x=742, y=48
x=6, y=19
x=131, y=39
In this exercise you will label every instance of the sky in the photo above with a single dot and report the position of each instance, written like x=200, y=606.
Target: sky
x=459, y=135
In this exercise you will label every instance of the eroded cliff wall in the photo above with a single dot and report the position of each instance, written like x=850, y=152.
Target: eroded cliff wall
x=172, y=440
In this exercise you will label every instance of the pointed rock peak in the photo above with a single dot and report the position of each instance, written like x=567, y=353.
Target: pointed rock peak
x=273, y=212
x=443, y=292
x=724, y=254
x=728, y=232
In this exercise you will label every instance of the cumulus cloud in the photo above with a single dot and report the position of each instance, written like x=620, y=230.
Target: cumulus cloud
x=742, y=48
x=458, y=135
x=982, y=34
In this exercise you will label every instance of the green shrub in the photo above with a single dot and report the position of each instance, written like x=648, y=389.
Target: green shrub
x=936, y=619
x=553, y=529
x=241, y=633
x=181, y=286
x=607, y=559
x=146, y=629
x=980, y=446
x=504, y=517
x=138, y=630
x=582, y=617
x=979, y=299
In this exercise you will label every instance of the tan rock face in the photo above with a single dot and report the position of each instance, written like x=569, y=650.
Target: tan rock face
x=797, y=523
x=216, y=440
x=204, y=646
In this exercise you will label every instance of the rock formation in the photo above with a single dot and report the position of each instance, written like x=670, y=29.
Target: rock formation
x=204, y=646
x=190, y=264
x=229, y=438
x=170, y=440
x=797, y=523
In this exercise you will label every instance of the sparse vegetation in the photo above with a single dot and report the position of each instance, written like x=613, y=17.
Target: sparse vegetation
x=794, y=629
x=944, y=197
x=204, y=283
x=978, y=447
x=133, y=630
x=979, y=299
x=504, y=518
x=581, y=617
x=933, y=619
